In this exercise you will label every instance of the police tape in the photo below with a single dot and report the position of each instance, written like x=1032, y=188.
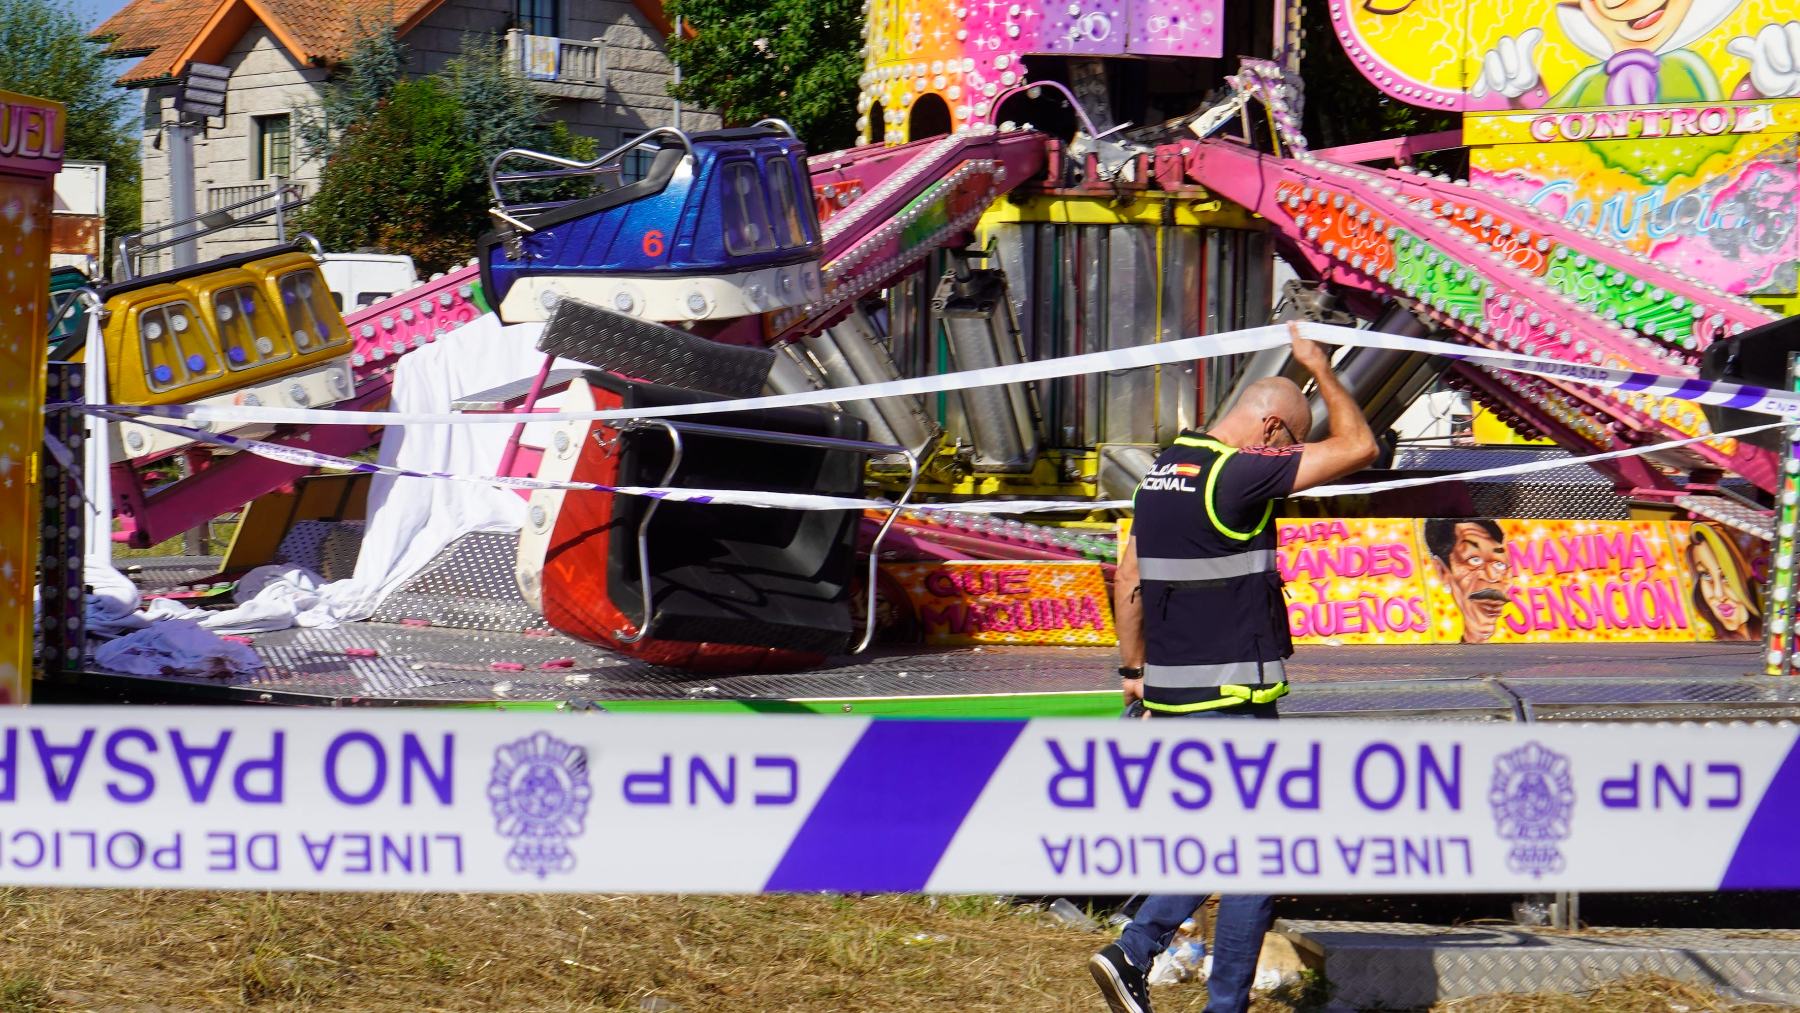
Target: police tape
x=1715, y=392
x=329, y=462
x=436, y=801
x=1529, y=467
x=718, y=497
x=812, y=501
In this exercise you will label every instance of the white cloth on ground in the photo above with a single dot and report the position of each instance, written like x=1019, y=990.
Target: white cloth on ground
x=112, y=599
x=269, y=598
x=176, y=647
x=411, y=520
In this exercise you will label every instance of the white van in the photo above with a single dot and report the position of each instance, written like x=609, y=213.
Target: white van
x=358, y=280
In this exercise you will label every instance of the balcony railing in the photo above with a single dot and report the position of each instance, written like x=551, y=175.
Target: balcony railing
x=218, y=197
x=569, y=68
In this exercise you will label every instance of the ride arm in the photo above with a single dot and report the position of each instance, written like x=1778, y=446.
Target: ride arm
x=1351, y=446
x=1128, y=618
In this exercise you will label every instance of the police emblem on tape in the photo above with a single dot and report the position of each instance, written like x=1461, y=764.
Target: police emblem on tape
x=539, y=794
x=1533, y=799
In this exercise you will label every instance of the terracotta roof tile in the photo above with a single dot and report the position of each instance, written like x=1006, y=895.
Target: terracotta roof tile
x=163, y=30
x=328, y=28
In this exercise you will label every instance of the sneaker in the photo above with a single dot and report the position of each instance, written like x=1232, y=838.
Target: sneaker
x=1120, y=983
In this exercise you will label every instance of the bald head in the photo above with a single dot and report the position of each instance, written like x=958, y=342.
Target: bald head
x=1275, y=395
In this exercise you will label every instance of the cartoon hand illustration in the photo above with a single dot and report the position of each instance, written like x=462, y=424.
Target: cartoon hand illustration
x=1774, y=57
x=1508, y=69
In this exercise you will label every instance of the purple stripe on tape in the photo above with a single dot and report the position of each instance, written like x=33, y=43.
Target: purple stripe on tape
x=888, y=815
x=1691, y=390
x=1747, y=397
x=1764, y=859
x=1637, y=381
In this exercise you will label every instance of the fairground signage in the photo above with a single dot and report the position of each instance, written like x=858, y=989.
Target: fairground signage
x=1482, y=580
x=30, y=154
x=31, y=135
x=1391, y=581
x=408, y=800
x=1709, y=120
x=1027, y=602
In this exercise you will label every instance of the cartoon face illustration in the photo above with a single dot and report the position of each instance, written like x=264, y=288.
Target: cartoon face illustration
x=1722, y=592
x=1636, y=24
x=1641, y=57
x=1470, y=557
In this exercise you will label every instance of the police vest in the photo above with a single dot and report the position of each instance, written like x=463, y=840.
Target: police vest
x=1215, y=622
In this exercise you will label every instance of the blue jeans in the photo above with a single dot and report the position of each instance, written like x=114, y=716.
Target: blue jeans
x=1237, y=936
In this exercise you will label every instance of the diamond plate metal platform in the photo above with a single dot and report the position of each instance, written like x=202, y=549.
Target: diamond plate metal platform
x=459, y=633
x=469, y=586
x=394, y=663
x=155, y=574
x=652, y=351
x=327, y=548
x=1409, y=966
x=1577, y=491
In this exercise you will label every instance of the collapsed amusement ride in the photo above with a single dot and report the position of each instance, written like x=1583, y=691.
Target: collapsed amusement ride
x=862, y=553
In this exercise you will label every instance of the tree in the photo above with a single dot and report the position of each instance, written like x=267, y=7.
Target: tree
x=795, y=59
x=44, y=52
x=376, y=64
x=409, y=173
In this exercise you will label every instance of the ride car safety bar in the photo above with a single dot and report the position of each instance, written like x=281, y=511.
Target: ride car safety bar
x=674, y=430
x=568, y=167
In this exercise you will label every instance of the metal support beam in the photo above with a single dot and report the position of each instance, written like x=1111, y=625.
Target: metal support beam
x=62, y=591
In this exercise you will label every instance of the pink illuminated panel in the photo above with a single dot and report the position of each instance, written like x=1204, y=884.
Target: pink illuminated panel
x=967, y=53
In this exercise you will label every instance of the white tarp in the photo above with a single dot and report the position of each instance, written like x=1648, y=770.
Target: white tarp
x=411, y=520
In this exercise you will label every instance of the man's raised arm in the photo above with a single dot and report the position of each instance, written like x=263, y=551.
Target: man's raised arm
x=1351, y=446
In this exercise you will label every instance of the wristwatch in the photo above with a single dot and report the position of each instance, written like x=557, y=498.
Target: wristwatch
x=1130, y=673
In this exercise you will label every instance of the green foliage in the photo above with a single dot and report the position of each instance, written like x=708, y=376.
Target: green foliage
x=1343, y=107
x=410, y=176
x=376, y=64
x=23, y=993
x=44, y=53
x=795, y=59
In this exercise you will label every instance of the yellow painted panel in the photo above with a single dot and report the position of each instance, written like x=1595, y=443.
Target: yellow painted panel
x=292, y=283
x=1490, y=431
x=1105, y=210
x=35, y=127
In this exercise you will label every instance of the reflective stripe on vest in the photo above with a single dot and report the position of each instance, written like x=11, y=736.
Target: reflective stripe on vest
x=1208, y=676
x=1242, y=564
x=1212, y=480
x=1229, y=696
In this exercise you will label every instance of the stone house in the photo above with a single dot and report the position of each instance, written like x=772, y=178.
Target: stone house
x=602, y=65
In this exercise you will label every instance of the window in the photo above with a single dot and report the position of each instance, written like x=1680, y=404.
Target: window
x=636, y=163
x=310, y=310
x=537, y=17
x=793, y=225
x=274, y=146
x=746, y=212
x=176, y=346
x=244, y=326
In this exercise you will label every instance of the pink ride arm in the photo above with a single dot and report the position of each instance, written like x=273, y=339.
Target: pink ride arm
x=883, y=209
x=1385, y=233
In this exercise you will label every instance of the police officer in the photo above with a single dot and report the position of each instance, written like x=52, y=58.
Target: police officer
x=1202, y=622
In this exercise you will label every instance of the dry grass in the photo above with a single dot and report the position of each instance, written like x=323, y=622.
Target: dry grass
x=87, y=949
x=115, y=949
